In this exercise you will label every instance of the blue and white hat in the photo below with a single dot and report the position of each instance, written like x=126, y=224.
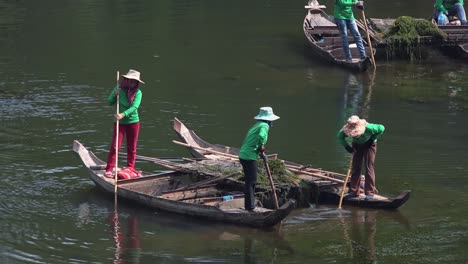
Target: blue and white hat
x=266, y=113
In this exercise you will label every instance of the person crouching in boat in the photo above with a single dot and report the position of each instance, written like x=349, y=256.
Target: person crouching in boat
x=129, y=121
x=344, y=20
x=364, y=147
x=253, y=145
x=444, y=9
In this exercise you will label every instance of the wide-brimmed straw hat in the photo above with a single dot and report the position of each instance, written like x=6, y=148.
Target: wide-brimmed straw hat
x=266, y=113
x=355, y=126
x=134, y=75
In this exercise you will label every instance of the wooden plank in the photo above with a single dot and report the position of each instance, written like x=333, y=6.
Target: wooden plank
x=315, y=7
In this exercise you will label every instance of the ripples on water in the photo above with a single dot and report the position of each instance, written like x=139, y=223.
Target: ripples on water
x=50, y=212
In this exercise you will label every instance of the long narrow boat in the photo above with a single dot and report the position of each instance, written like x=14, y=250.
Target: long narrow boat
x=325, y=41
x=164, y=192
x=456, y=45
x=328, y=182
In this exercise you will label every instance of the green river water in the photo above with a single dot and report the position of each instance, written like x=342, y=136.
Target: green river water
x=212, y=64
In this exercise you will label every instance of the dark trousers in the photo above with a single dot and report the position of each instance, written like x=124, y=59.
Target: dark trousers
x=250, y=172
x=131, y=131
x=366, y=153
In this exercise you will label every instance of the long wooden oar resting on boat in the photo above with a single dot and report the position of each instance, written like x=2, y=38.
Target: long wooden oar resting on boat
x=297, y=169
x=206, y=182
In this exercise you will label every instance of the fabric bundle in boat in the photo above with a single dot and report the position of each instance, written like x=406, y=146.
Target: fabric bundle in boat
x=128, y=173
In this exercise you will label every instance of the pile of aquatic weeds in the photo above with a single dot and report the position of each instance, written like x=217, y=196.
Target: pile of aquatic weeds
x=407, y=37
x=279, y=173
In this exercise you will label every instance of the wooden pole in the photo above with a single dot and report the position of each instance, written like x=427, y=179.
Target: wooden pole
x=272, y=184
x=290, y=167
x=368, y=38
x=346, y=180
x=117, y=137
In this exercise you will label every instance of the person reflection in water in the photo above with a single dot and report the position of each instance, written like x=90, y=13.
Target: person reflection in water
x=127, y=247
x=363, y=229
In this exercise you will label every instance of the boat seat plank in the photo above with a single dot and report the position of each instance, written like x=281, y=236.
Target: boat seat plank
x=315, y=7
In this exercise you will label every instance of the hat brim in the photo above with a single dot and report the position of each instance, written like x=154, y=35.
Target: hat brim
x=133, y=78
x=271, y=117
x=357, y=131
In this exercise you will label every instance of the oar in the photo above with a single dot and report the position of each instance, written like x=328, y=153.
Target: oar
x=203, y=183
x=290, y=167
x=345, y=181
x=117, y=137
x=267, y=168
x=368, y=38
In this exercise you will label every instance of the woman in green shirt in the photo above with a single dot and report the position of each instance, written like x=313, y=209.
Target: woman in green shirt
x=129, y=121
x=363, y=137
x=253, y=145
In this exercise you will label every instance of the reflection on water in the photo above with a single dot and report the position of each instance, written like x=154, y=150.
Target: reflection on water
x=347, y=235
x=363, y=229
x=126, y=238
x=142, y=235
x=357, y=94
x=57, y=61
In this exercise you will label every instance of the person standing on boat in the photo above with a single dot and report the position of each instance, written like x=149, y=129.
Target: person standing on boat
x=253, y=145
x=445, y=8
x=129, y=121
x=344, y=20
x=364, y=147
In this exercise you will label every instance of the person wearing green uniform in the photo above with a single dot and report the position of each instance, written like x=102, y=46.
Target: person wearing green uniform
x=344, y=20
x=363, y=137
x=129, y=121
x=445, y=8
x=253, y=145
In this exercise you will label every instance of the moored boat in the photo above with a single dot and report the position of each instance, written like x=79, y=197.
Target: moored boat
x=166, y=192
x=329, y=183
x=456, y=44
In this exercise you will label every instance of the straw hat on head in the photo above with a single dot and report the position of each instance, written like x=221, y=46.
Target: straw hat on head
x=266, y=113
x=134, y=75
x=355, y=126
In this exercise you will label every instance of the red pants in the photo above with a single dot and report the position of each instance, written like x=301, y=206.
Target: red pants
x=132, y=131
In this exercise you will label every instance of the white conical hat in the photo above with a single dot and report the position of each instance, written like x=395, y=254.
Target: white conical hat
x=134, y=75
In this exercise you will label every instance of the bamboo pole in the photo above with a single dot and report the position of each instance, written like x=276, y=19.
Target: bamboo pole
x=290, y=167
x=345, y=181
x=117, y=137
x=272, y=184
x=316, y=175
x=368, y=38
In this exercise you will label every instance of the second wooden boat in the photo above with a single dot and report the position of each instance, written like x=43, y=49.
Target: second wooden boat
x=329, y=183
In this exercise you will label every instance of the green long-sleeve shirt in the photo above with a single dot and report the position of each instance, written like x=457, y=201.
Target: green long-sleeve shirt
x=445, y=5
x=130, y=111
x=372, y=130
x=343, y=9
x=257, y=136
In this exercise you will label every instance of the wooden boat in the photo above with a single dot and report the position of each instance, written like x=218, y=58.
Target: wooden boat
x=329, y=183
x=324, y=38
x=163, y=191
x=456, y=44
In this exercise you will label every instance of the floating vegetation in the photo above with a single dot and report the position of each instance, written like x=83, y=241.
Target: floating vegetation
x=279, y=173
x=407, y=34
